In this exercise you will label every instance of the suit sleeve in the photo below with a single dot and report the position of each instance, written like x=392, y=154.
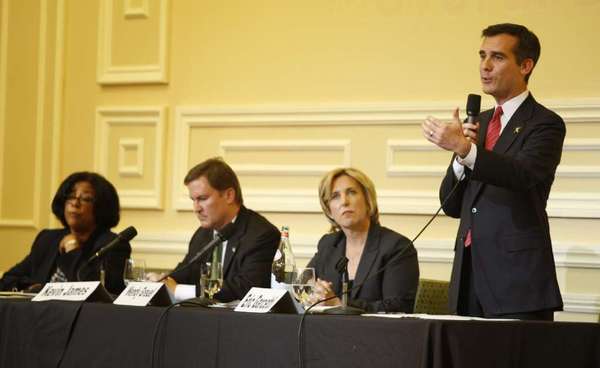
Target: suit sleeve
x=450, y=200
x=255, y=269
x=399, y=282
x=534, y=164
x=20, y=276
x=190, y=274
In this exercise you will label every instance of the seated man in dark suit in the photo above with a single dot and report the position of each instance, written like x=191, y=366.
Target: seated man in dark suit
x=246, y=256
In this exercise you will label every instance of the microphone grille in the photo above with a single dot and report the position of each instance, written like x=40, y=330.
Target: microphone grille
x=473, y=104
x=226, y=232
x=128, y=234
x=341, y=264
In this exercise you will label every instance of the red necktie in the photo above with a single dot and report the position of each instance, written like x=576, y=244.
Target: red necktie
x=493, y=131
x=491, y=137
x=468, y=239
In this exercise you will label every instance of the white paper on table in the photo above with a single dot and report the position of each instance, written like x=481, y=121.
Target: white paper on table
x=446, y=317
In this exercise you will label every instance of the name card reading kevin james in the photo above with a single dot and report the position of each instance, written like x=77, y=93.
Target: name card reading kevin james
x=73, y=291
x=260, y=300
x=138, y=293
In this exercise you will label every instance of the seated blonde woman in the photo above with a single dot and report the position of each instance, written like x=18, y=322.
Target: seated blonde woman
x=349, y=202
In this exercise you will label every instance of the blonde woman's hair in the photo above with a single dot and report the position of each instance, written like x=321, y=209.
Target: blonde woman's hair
x=367, y=186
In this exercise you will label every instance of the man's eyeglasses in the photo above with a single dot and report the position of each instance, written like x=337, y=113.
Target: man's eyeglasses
x=72, y=199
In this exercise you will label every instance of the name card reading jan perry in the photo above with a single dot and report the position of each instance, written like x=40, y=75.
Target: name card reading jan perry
x=138, y=293
x=73, y=291
x=260, y=300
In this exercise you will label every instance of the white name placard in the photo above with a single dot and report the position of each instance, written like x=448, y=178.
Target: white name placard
x=138, y=293
x=73, y=291
x=260, y=300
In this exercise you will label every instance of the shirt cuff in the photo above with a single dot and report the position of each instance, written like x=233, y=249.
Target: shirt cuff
x=184, y=291
x=457, y=168
x=469, y=160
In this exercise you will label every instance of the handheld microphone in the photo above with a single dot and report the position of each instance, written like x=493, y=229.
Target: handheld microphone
x=124, y=236
x=223, y=235
x=473, y=107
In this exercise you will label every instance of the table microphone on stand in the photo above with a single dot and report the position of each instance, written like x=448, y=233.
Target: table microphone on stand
x=222, y=235
x=342, y=267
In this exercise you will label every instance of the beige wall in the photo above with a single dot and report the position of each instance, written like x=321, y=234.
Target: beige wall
x=284, y=90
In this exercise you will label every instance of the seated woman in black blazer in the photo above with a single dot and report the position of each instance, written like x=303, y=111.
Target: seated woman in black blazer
x=349, y=201
x=87, y=205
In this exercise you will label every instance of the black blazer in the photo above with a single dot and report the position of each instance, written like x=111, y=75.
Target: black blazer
x=40, y=264
x=248, y=258
x=392, y=290
x=503, y=202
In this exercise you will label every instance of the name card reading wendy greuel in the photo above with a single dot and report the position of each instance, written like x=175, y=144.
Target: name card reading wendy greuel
x=73, y=291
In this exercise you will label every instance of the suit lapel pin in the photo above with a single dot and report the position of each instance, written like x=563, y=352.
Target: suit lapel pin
x=517, y=130
x=233, y=250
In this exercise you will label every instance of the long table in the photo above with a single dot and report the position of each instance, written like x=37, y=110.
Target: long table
x=67, y=334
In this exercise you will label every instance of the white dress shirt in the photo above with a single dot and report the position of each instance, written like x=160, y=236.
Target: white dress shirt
x=508, y=110
x=187, y=291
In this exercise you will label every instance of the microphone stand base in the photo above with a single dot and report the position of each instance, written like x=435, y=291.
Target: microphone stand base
x=200, y=301
x=347, y=310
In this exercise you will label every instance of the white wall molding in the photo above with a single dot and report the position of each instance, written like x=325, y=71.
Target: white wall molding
x=150, y=116
x=132, y=11
x=162, y=243
x=304, y=246
x=407, y=146
x=572, y=110
x=3, y=83
x=576, y=110
x=40, y=113
x=572, y=205
x=285, y=145
x=580, y=171
x=420, y=145
x=576, y=256
x=581, y=144
x=565, y=255
x=564, y=204
x=281, y=200
x=35, y=221
x=12, y=223
x=137, y=169
x=108, y=73
x=560, y=204
x=314, y=115
x=581, y=303
x=57, y=102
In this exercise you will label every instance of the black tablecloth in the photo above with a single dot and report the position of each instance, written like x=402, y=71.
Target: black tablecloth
x=103, y=335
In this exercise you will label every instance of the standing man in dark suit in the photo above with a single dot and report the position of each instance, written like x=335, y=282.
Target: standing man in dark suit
x=503, y=169
x=247, y=254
